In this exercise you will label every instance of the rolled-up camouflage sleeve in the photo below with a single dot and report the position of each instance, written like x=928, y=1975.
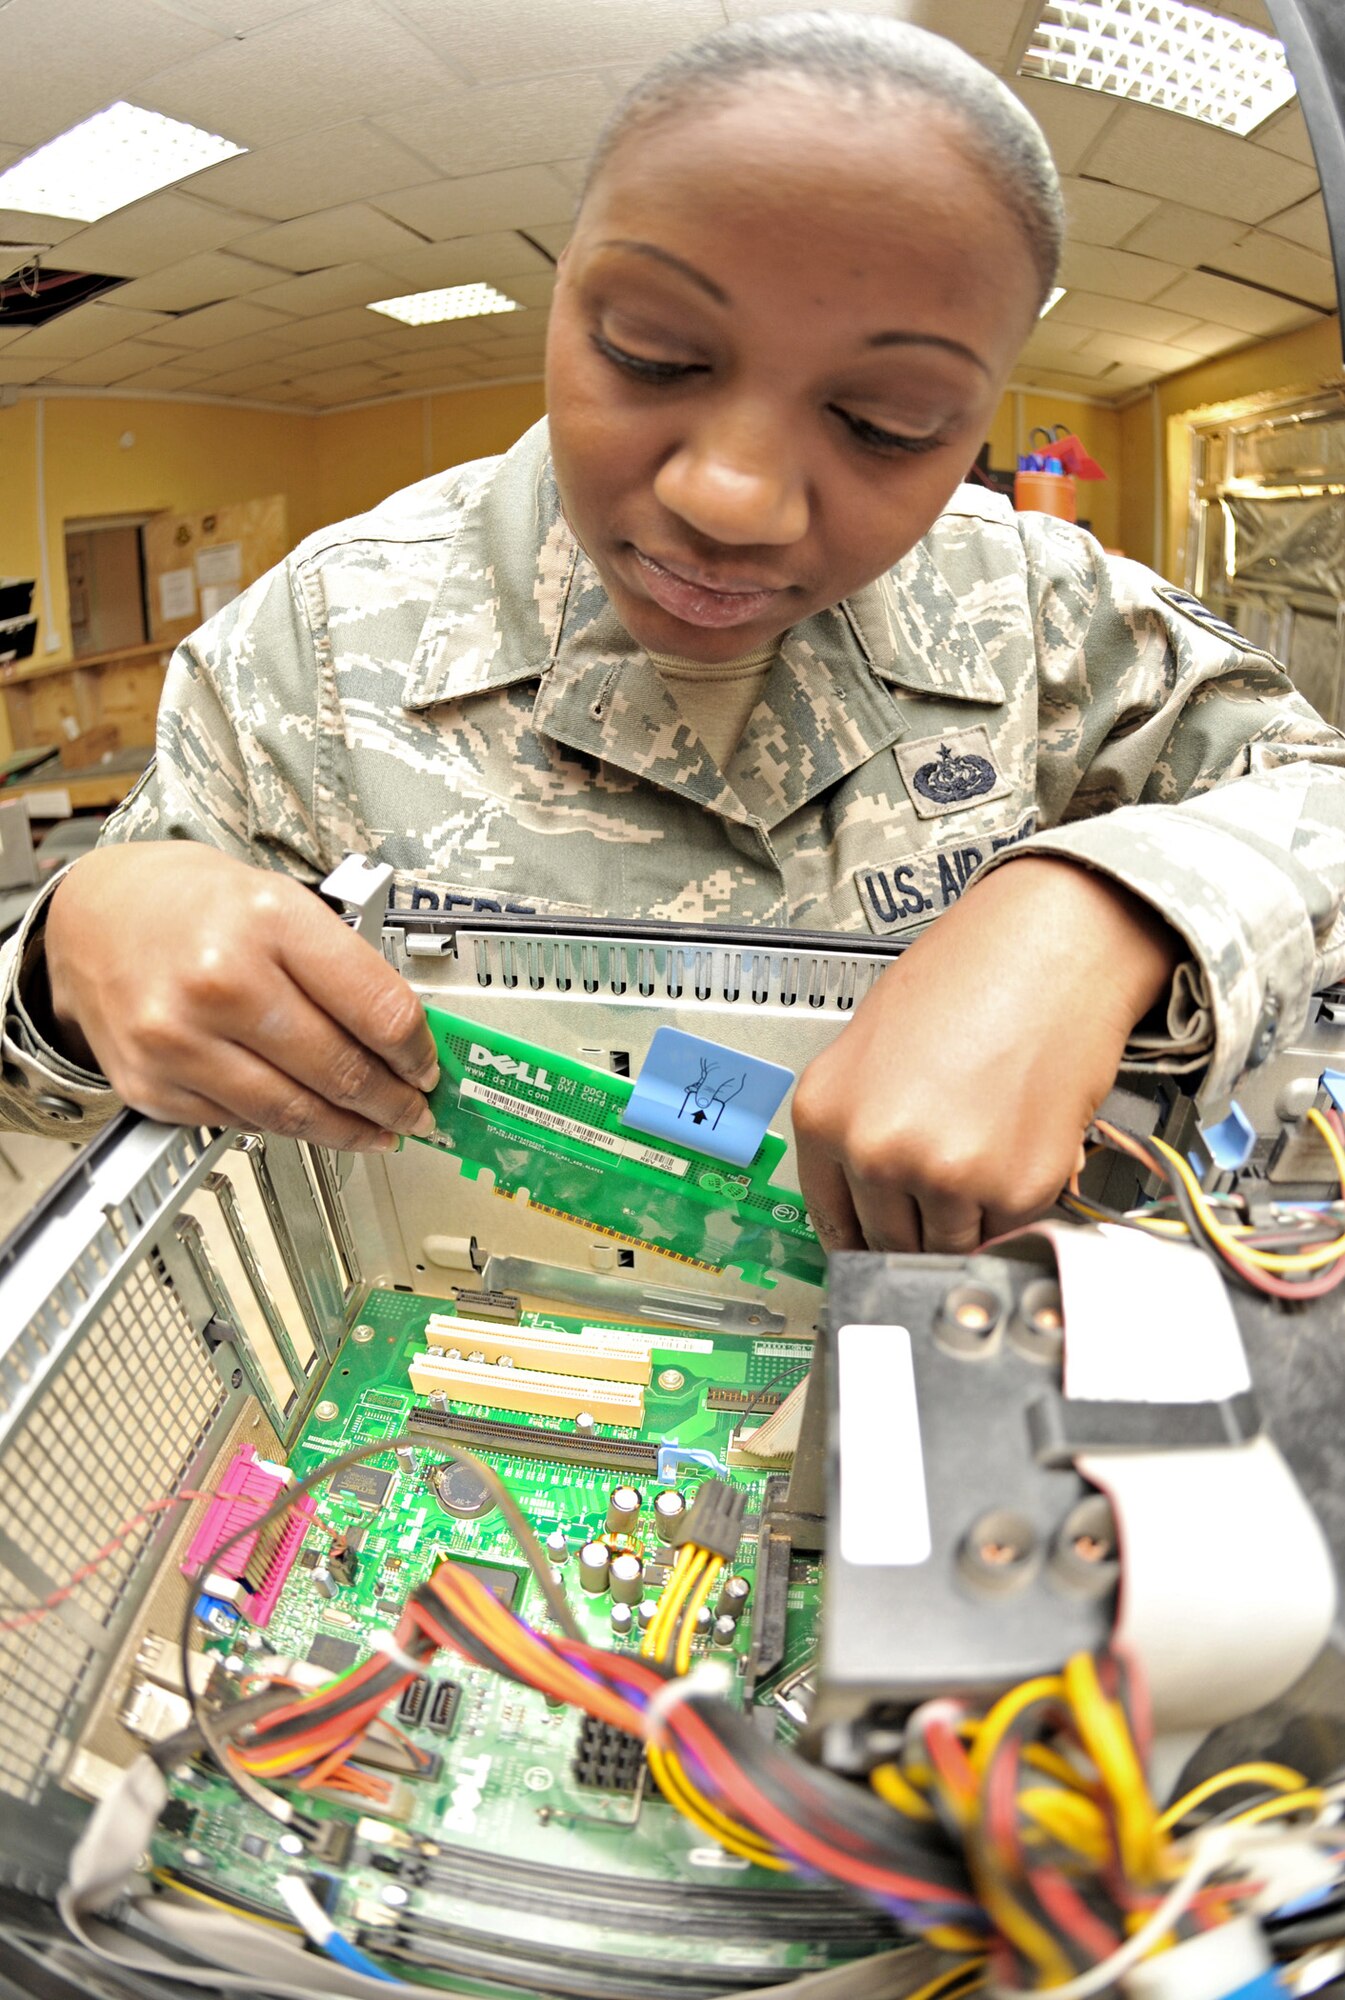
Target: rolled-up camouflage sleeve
x=235, y=766
x=1180, y=760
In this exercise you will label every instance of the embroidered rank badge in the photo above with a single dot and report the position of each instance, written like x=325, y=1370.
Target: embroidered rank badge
x=946, y=774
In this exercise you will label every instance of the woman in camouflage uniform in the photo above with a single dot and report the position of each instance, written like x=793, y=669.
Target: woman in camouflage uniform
x=730, y=645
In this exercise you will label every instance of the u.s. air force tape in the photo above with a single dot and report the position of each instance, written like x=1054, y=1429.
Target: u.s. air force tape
x=898, y=895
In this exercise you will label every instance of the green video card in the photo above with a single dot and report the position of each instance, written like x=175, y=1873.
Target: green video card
x=540, y=1121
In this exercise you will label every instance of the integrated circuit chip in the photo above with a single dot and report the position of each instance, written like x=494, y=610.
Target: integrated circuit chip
x=499, y=1579
x=332, y=1654
x=368, y=1484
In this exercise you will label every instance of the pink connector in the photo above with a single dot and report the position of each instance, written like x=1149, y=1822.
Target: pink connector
x=247, y=1489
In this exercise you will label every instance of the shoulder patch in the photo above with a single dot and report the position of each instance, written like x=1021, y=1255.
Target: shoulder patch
x=1191, y=608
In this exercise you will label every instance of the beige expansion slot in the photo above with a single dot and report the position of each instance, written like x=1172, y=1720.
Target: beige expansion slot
x=525, y=1389
x=526, y=1347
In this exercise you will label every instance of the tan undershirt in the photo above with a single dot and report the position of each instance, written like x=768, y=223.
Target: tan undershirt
x=717, y=700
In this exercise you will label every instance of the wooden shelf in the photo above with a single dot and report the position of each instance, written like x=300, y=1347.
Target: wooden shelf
x=19, y=671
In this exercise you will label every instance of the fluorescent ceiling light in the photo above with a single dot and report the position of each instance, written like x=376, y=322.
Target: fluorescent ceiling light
x=1056, y=296
x=1179, y=58
x=453, y=302
x=113, y=158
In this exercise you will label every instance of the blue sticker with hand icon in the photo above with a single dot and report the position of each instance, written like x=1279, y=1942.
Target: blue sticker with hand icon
x=712, y=1099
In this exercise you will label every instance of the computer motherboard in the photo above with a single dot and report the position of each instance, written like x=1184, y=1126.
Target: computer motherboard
x=531, y=1831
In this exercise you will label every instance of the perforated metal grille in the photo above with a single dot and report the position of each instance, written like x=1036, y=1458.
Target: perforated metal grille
x=115, y=1431
x=625, y=968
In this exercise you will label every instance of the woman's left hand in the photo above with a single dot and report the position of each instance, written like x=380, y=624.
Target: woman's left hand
x=953, y=1106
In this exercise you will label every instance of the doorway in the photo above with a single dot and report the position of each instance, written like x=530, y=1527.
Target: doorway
x=105, y=578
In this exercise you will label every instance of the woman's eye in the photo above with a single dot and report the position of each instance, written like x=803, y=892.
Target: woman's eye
x=874, y=438
x=641, y=366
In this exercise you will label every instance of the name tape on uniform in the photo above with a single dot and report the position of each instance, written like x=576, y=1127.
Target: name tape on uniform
x=900, y=894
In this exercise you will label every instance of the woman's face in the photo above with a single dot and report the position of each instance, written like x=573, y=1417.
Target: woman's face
x=779, y=334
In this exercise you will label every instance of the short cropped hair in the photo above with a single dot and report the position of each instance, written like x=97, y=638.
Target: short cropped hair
x=870, y=57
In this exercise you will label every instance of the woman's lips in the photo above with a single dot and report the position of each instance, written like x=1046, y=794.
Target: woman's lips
x=697, y=603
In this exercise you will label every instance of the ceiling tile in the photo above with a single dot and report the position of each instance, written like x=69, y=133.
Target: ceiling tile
x=340, y=385
x=516, y=198
x=15, y=368
x=1305, y=224
x=441, y=375
x=240, y=381
x=166, y=375
x=1072, y=119
x=346, y=60
x=151, y=234
x=86, y=330
x=489, y=42
x=1118, y=274
x=1125, y=379
x=535, y=292
x=1186, y=236
x=1101, y=213
x=1206, y=338
x=984, y=27
x=1087, y=362
x=1146, y=353
x=504, y=125
x=351, y=324
x=1052, y=339
x=196, y=281
x=114, y=364
x=1230, y=304
x=212, y=325
x=1106, y=315
x=8, y=334
x=327, y=291
x=1287, y=133
x=494, y=258
x=343, y=235
x=18, y=226
x=1157, y=151
x=336, y=354
x=247, y=351
x=553, y=236
x=1263, y=259
x=63, y=59
x=314, y=171
x=397, y=339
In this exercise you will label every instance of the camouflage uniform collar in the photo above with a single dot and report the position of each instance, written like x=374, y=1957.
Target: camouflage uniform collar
x=916, y=633
x=518, y=597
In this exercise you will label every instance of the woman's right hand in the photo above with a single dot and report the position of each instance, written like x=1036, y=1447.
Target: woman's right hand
x=209, y=992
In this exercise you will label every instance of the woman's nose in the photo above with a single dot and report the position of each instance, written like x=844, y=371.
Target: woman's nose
x=736, y=482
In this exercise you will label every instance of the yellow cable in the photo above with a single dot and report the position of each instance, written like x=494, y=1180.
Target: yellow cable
x=1067, y=1818
x=1311, y=1799
x=1279, y=1777
x=687, y=1629
x=897, y=1791
x=689, y=1560
x=1106, y=1737
x=1264, y=1260
x=180, y=1888
x=1044, y=1687
x=943, y=1985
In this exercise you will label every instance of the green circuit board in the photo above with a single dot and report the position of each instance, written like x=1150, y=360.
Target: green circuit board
x=531, y=1864
x=541, y=1121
